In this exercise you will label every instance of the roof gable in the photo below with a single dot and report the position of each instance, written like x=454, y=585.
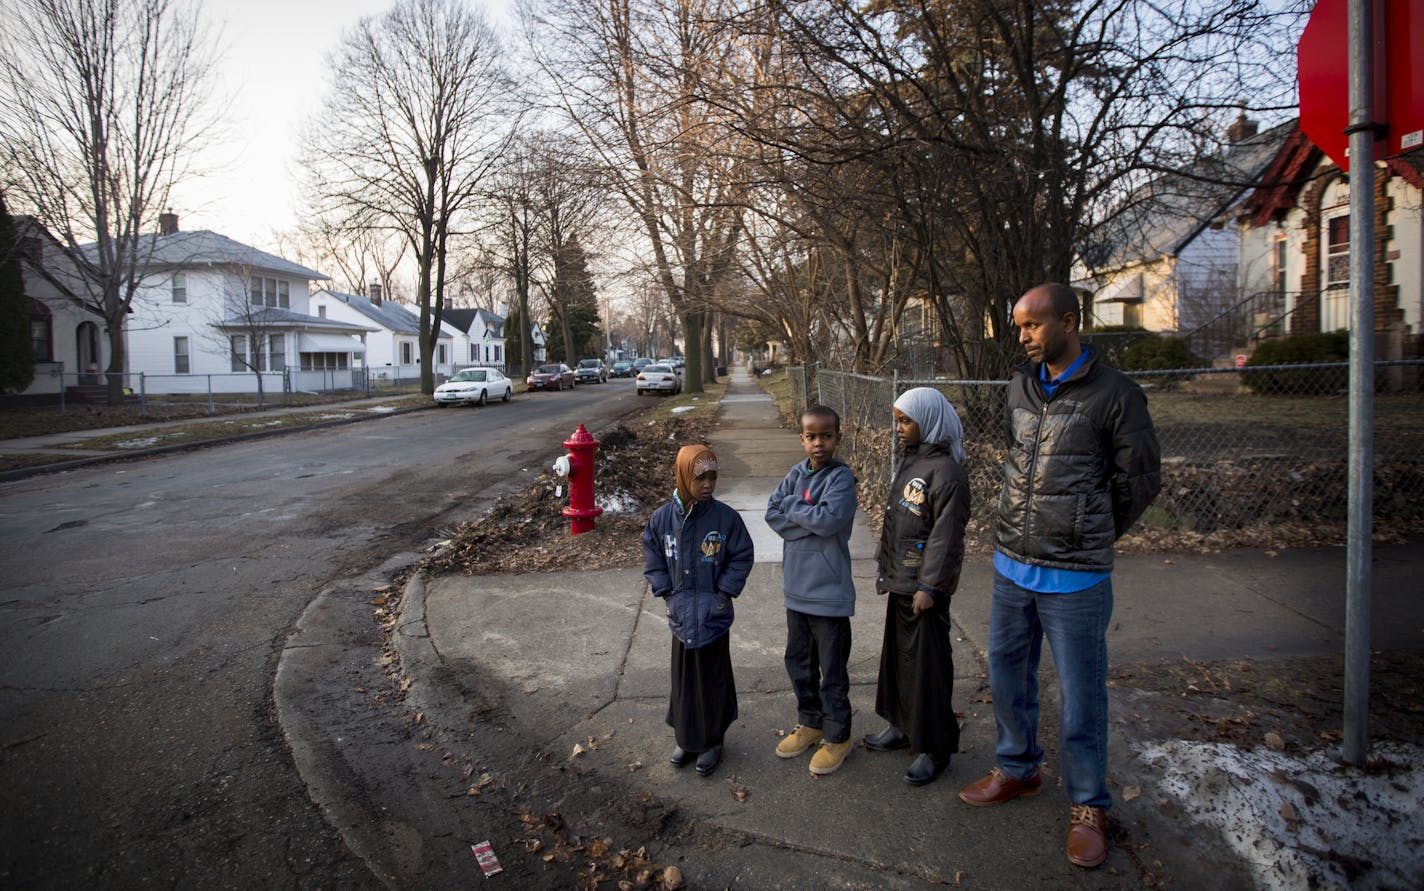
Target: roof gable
x=201, y=248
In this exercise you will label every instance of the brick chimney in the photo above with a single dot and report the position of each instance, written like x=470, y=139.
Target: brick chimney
x=1242, y=128
x=373, y=291
x=167, y=223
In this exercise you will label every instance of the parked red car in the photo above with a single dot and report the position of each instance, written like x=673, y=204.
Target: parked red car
x=555, y=376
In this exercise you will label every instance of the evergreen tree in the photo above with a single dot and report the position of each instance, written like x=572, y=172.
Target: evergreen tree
x=17, y=357
x=575, y=307
x=516, y=330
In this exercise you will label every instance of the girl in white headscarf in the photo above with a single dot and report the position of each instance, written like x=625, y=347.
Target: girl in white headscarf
x=919, y=559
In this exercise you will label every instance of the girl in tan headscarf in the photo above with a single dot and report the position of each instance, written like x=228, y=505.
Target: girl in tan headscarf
x=696, y=557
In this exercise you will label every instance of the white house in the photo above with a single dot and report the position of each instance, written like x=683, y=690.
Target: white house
x=211, y=313
x=1294, y=243
x=483, y=332
x=1166, y=261
x=393, y=333
x=71, y=347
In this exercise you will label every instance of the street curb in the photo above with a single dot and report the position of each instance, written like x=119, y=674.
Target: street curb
x=355, y=826
x=20, y=473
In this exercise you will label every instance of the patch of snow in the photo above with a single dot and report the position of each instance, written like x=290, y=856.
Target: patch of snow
x=143, y=443
x=1305, y=822
x=337, y=417
x=682, y=408
x=616, y=502
x=382, y=409
x=266, y=424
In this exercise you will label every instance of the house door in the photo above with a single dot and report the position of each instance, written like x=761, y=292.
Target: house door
x=86, y=352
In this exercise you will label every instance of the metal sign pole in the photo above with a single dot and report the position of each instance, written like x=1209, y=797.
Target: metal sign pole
x=1362, y=132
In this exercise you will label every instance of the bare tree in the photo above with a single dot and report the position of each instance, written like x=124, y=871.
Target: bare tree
x=512, y=236
x=359, y=257
x=628, y=74
x=102, y=108
x=418, y=115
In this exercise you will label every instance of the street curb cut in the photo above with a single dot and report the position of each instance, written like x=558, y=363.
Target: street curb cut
x=20, y=473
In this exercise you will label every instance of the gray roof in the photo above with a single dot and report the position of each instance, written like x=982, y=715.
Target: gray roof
x=464, y=319
x=391, y=316
x=275, y=317
x=1163, y=216
x=203, y=248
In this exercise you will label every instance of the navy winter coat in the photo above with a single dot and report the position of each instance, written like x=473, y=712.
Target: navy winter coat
x=697, y=562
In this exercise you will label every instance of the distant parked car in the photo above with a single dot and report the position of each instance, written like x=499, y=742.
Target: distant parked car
x=621, y=368
x=474, y=386
x=554, y=376
x=677, y=361
x=591, y=371
x=640, y=363
x=658, y=379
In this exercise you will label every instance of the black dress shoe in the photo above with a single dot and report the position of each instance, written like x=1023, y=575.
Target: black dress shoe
x=680, y=757
x=708, y=761
x=886, y=740
x=925, y=768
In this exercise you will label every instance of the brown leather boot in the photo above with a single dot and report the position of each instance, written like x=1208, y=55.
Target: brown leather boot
x=1087, y=835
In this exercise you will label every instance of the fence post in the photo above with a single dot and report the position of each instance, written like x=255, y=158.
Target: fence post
x=820, y=393
x=805, y=388
x=61, y=393
x=142, y=394
x=894, y=394
x=211, y=408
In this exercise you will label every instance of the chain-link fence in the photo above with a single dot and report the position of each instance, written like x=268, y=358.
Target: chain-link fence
x=1241, y=449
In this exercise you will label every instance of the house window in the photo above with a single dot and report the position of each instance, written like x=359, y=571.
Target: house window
x=441, y=350
x=325, y=361
x=1278, y=265
x=180, y=355
x=1335, y=271
x=321, y=312
x=497, y=359
x=277, y=352
x=474, y=356
x=270, y=292
x=180, y=287
x=487, y=354
x=40, y=332
x=407, y=357
x=239, y=352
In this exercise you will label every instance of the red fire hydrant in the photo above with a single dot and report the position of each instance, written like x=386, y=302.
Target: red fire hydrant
x=577, y=465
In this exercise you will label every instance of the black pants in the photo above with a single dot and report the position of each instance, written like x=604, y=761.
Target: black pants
x=817, y=653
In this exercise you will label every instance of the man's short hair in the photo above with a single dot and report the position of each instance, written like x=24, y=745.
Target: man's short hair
x=822, y=411
x=1064, y=300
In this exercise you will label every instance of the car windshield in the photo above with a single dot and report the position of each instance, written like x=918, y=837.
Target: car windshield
x=469, y=374
x=661, y=369
x=589, y=363
x=547, y=369
x=622, y=364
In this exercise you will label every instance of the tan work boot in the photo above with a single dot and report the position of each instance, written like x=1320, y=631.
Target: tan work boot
x=829, y=757
x=797, y=741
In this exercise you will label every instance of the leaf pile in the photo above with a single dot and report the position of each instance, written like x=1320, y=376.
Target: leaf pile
x=526, y=532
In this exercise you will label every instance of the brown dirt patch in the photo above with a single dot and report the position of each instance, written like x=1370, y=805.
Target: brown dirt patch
x=526, y=532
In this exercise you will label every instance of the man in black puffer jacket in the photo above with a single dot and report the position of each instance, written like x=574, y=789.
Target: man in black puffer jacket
x=1082, y=465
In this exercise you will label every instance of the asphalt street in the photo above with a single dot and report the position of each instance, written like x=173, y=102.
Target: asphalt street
x=146, y=603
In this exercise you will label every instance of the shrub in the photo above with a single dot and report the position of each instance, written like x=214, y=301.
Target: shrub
x=1161, y=354
x=1112, y=341
x=1299, y=349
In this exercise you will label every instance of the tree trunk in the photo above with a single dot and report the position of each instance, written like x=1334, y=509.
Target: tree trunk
x=692, y=337
x=709, y=359
x=114, y=380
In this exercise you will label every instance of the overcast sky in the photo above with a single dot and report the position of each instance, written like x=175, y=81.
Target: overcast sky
x=271, y=78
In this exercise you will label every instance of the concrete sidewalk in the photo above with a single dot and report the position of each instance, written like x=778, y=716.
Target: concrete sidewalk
x=585, y=655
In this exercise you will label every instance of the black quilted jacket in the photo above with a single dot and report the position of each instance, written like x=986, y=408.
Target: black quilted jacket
x=1081, y=468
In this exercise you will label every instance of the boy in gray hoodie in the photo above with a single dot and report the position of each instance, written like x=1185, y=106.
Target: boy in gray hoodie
x=812, y=510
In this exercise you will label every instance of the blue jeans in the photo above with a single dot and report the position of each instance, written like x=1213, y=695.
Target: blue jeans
x=1076, y=626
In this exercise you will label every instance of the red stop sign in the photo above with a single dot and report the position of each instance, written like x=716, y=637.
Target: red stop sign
x=1323, y=66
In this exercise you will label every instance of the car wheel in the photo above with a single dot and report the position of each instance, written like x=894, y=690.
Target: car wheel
x=484, y=398
x=507, y=393
x=561, y=385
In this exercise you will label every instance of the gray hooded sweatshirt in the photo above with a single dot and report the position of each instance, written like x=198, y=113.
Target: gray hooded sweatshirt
x=813, y=513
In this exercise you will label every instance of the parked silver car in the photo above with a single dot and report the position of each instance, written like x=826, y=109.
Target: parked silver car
x=591, y=371
x=474, y=386
x=658, y=379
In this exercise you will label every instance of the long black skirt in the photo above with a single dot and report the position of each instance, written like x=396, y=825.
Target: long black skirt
x=917, y=675
x=703, y=702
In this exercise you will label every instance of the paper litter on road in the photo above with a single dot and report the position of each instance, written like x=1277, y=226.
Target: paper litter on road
x=489, y=863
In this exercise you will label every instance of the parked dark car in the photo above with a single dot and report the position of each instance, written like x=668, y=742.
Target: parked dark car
x=640, y=363
x=554, y=376
x=591, y=371
x=621, y=368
